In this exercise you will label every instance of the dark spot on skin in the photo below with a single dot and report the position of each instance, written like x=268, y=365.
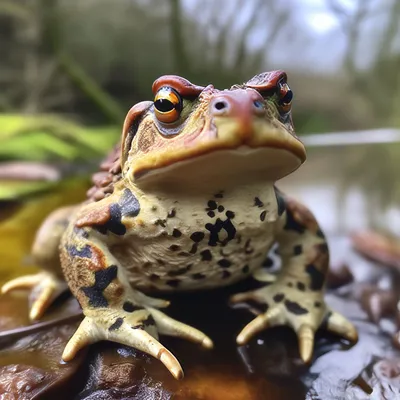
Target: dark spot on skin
x=268, y=262
x=211, y=214
x=114, y=224
x=161, y=222
x=173, y=282
x=323, y=248
x=172, y=213
x=197, y=236
x=206, y=255
x=224, y=263
x=130, y=206
x=160, y=262
x=245, y=269
x=295, y=308
x=260, y=307
x=230, y=214
x=139, y=326
x=198, y=276
x=219, y=195
x=221, y=208
x=263, y=215
x=258, y=202
x=81, y=232
x=216, y=228
x=292, y=225
x=193, y=250
x=130, y=307
x=226, y=274
x=317, y=277
x=301, y=286
x=317, y=304
x=102, y=279
x=149, y=321
x=320, y=234
x=177, y=272
x=153, y=208
x=85, y=252
x=280, y=201
x=212, y=205
x=247, y=248
x=290, y=284
x=116, y=325
x=278, y=297
x=297, y=250
x=265, y=284
x=176, y=233
x=324, y=323
x=174, y=247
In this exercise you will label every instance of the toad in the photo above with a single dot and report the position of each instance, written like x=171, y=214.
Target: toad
x=187, y=201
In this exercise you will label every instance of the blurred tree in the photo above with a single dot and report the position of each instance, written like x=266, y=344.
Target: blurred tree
x=93, y=59
x=372, y=25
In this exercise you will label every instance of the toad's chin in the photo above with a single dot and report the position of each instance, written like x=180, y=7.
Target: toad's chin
x=222, y=168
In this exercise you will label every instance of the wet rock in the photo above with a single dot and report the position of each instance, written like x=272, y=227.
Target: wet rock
x=350, y=374
x=22, y=382
x=30, y=355
x=268, y=367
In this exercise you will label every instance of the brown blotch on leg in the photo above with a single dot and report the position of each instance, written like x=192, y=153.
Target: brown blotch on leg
x=99, y=216
x=302, y=215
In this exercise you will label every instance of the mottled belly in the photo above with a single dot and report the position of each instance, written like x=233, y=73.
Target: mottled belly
x=194, y=259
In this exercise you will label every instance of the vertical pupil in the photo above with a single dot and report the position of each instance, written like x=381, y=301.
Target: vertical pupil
x=164, y=105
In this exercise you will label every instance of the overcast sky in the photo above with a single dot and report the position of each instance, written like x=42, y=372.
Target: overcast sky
x=315, y=38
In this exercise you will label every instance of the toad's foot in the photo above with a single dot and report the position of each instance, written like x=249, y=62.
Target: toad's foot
x=137, y=327
x=303, y=311
x=45, y=288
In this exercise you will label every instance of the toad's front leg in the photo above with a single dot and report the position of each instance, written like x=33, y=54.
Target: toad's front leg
x=296, y=297
x=113, y=309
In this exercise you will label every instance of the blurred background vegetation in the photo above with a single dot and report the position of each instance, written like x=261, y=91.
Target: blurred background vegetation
x=92, y=59
x=70, y=70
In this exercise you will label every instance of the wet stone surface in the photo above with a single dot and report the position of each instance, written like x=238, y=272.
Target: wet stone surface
x=269, y=367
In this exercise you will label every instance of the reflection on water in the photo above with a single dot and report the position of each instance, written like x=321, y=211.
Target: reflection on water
x=350, y=184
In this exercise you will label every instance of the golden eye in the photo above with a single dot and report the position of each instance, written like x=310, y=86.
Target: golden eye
x=285, y=97
x=167, y=105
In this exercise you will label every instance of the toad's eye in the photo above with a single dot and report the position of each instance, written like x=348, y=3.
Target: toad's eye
x=285, y=96
x=167, y=105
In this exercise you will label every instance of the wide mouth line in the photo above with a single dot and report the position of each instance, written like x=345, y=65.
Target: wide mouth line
x=240, y=150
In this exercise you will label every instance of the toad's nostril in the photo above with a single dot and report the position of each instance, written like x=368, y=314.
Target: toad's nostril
x=220, y=105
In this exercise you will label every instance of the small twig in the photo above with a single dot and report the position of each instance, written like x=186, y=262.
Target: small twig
x=27, y=330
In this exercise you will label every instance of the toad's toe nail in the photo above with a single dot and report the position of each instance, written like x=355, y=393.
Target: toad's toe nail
x=207, y=343
x=342, y=326
x=306, y=342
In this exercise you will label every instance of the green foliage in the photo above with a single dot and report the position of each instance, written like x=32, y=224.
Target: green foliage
x=48, y=138
x=73, y=150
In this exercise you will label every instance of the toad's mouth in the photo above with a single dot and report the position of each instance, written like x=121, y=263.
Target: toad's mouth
x=269, y=151
x=217, y=167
